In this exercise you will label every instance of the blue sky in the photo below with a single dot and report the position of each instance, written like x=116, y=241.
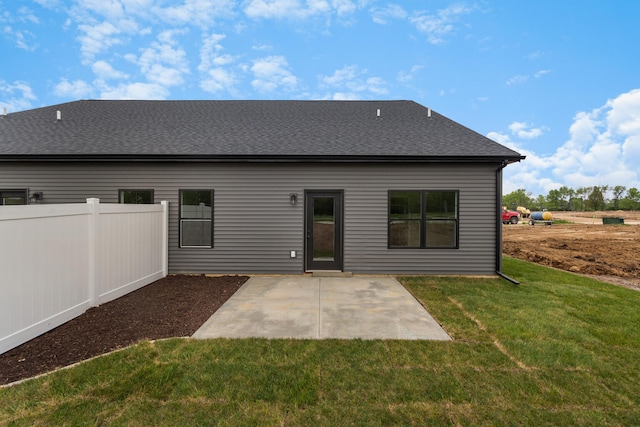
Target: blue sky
x=558, y=81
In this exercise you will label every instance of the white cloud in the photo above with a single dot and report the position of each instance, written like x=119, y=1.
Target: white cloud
x=210, y=52
x=16, y=96
x=342, y=76
x=49, y=4
x=524, y=131
x=623, y=122
x=164, y=62
x=169, y=36
x=103, y=70
x=97, y=38
x=407, y=76
x=346, y=7
x=151, y=91
x=517, y=79
x=376, y=85
x=219, y=80
x=583, y=129
x=523, y=78
x=138, y=7
x=351, y=82
x=298, y=10
x=23, y=39
x=77, y=89
x=261, y=47
x=105, y=24
x=216, y=66
x=12, y=27
x=528, y=174
x=340, y=96
x=382, y=15
x=603, y=149
x=441, y=24
x=631, y=150
x=624, y=114
x=535, y=55
x=108, y=9
x=199, y=12
x=275, y=9
x=271, y=73
x=27, y=15
x=541, y=73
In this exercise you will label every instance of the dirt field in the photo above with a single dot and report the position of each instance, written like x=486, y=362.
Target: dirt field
x=610, y=252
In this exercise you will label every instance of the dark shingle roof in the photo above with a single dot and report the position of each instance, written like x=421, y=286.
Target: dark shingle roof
x=210, y=130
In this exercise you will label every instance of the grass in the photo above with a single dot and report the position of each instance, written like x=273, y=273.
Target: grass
x=562, y=221
x=559, y=349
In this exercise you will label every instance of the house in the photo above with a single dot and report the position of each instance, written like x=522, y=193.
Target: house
x=275, y=186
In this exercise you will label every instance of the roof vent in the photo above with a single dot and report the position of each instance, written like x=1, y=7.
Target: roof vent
x=58, y=115
x=428, y=112
x=4, y=111
x=378, y=113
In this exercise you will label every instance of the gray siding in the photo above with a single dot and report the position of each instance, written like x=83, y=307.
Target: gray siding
x=255, y=227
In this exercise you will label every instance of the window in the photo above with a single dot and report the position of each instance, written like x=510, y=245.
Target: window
x=196, y=218
x=13, y=197
x=423, y=219
x=135, y=196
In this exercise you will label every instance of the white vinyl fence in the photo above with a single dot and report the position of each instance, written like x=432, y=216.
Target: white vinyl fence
x=56, y=261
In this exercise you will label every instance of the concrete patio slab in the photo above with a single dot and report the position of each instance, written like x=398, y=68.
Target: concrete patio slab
x=304, y=307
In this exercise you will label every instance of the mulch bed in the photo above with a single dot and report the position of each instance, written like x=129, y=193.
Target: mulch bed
x=175, y=306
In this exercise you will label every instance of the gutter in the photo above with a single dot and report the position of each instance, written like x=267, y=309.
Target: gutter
x=499, y=224
x=247, y=158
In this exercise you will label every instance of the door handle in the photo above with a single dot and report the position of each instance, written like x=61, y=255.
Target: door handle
x=308, y=234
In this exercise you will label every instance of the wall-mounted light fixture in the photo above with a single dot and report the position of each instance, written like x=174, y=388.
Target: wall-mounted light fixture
x=35, y=197
x=293, y=199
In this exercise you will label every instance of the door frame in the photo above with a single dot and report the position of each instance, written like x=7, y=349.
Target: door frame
x=338, y=262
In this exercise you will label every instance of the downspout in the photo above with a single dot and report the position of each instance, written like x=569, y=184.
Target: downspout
x=499, y=224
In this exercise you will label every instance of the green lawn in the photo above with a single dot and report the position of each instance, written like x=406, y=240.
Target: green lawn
x=557, y=350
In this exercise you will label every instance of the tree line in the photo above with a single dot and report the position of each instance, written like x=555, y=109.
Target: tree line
x=596, y=198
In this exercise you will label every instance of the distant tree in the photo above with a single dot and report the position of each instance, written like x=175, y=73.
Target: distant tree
x=583, y=198
x=633, y=197
x=564, y=197
x=617, y=194
x=604, y=189
x=517, y=198
x=595, y=201
x=553, y=200
x=575, y=203
x=572, y=196
x=581, y=195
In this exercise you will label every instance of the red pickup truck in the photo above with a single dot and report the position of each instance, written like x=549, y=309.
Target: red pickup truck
x=510, y=217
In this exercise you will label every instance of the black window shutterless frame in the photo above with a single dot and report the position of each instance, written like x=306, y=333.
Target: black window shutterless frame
x=423, y=219
x=135, y=196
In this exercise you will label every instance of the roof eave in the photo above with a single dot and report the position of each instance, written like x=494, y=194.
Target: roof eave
x=256, y=158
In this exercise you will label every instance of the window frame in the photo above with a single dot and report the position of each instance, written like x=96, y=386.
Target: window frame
x=149, y=190
x=425, y=219
x=182, y=219
x=23, y=191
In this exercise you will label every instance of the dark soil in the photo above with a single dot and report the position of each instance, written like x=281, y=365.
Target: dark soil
x=175, y=306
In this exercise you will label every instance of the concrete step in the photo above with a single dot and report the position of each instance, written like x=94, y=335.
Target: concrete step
x=331, y=273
